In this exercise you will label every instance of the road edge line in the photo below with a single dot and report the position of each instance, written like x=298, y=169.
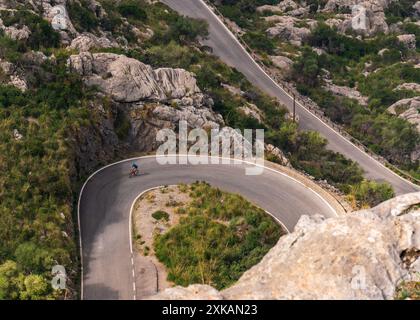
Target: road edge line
x=130, y=234
x=130, y=227
x=180, y=155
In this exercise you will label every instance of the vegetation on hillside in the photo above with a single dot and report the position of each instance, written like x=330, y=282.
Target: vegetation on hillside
x=38, y=182
x=218, y=238
x=36, y=189
x=38, y=178
x=387, y=135
x=345, y=59
x=307, y=150
x=42, y=34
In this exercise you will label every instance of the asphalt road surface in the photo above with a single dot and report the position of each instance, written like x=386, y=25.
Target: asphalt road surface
x=106, y=200
x=230, y=51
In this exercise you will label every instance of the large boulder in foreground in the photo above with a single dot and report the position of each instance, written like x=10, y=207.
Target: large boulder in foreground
x=362, y=255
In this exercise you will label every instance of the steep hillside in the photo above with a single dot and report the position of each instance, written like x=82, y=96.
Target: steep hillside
x=73, y=98
x=358, y=60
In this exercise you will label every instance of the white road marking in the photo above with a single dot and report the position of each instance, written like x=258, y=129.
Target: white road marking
x=132, y=206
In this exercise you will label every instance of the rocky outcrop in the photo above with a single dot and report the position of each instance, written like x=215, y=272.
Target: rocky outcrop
x=88, y=41
x=299, y=12
x=416, y=8
x=412, y=86
x=364, y=17
x=286, y=7
x=361, y=16
x=361, y=255
x=148, y=100
x=251, y=110
x=232, y=89
x=96, y=144
x=18, y=82
x=278, y=154
x=286, y=30
x=334, y=5
x=99, y=142
x=408, y=109
x=408, y=40
x=283, y=6
x=346, y=92
x=383, y=51
x=319, y=51
x=147, y=119
x=334, y=23
x=56, y=12
x=129, y=80
x=12, y=75
x=283, y=63
x=17, y=33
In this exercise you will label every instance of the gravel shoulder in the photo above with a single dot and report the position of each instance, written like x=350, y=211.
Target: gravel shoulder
x=151, y=275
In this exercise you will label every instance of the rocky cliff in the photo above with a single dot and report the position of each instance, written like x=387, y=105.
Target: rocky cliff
x=129, y=80
x=362, y=255
x=134, y=101
x=148, y=99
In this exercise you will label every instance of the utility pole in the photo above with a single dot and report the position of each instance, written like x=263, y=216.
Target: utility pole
x=294, y=108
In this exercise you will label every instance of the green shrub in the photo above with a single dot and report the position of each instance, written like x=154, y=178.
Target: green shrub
x=260, y=41
x=408, y=290
x=10, y=95
x=390, y=136
x=10, y=50
x=42, y=34
x=131, y=9
x=15, y=285
x=307, y=151
x=380, y=85
x=81, y=16
x=181, y=30
x=350, y=48
x=160, y=215
x=371, y=193
x=170, y=55
x=307, y=68
x=201, y=249
x=36, y=196
x=399, y=10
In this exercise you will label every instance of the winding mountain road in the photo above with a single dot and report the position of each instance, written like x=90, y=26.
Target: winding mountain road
x=227, y=47
x=107, y=196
